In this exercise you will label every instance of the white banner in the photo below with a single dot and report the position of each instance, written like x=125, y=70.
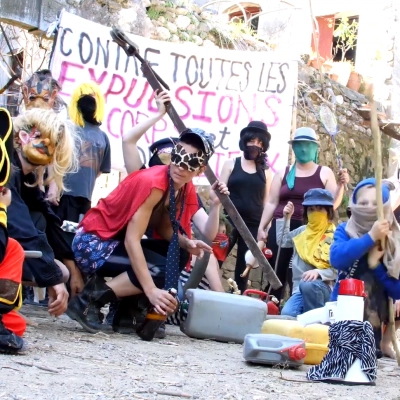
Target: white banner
x=220, y=91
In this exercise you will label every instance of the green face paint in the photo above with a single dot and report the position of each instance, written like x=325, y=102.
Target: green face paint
x=305, y=151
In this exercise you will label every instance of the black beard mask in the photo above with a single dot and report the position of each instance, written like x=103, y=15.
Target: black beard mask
x=252, y=153
x=87, y=106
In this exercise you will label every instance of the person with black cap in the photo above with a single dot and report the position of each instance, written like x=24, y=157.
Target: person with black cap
x=163, y=198
x=248, y=179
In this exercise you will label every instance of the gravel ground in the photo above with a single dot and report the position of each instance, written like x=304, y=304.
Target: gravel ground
x=64, y=362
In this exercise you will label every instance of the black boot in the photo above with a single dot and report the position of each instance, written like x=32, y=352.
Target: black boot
x=161, y=334
x=10, y=343
x=111, y=312
x=131, y=311
x=85, y=306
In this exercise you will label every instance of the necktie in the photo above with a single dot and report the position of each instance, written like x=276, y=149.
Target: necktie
x=173, y=254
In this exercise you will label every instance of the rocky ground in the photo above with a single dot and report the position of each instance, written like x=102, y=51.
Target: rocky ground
x=63, y=362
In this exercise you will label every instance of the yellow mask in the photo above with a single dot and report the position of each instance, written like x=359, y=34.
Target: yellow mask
x=314, y=242
x=36, y=146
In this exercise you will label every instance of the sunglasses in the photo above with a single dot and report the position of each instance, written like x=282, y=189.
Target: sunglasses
x=188, y=161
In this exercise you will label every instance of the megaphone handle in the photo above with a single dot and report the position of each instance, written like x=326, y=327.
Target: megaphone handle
x=246, y=271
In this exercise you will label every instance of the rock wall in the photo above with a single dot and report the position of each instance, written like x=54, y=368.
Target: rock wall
x=183, y=21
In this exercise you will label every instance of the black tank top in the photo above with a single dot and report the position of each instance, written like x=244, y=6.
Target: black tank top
x=247, y=193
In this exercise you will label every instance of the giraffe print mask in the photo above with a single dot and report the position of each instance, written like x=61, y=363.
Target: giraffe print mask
x=189, y=161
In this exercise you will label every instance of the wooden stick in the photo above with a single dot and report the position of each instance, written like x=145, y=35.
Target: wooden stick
x=379, y=203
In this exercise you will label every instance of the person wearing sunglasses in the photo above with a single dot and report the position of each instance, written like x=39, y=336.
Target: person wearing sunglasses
x=162, y=198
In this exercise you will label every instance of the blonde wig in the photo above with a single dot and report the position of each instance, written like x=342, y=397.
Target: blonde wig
x=91, y=89
x=62, y=136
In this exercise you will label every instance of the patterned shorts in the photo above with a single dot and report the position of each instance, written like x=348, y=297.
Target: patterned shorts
x=90, y=251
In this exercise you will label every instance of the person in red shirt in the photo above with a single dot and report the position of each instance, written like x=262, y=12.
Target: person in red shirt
x=162, y=198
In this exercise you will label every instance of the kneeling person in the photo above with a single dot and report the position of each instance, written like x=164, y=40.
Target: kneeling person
x=162, y=198
x=312, y=274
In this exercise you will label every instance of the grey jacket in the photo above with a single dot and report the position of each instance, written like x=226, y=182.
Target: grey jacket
x=298, y=265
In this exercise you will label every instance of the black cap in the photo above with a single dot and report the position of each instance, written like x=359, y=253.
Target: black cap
x=161, y=151
x=163, y=144
x=256, y=126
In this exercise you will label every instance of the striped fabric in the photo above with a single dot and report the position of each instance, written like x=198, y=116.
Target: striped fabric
x=178, y=317
x=348, y=340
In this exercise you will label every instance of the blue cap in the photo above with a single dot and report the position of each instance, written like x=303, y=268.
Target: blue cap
x=318, y=197
x=206, y=138
x=372, y=182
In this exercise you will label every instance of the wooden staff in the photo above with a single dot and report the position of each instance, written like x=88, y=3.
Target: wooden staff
x=379, y=203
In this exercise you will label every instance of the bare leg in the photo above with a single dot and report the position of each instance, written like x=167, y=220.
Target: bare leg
x=122, y=286
x=386, y=342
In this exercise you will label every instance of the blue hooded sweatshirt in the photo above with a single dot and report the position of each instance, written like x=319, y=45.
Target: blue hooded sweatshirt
x=344, y=252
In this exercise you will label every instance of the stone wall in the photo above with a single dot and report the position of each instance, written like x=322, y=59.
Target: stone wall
x=183, y=21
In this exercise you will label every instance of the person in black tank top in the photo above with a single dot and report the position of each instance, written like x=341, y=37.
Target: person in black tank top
x=248, y=178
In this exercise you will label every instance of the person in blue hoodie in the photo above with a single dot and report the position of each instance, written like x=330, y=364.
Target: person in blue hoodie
x=356, y=253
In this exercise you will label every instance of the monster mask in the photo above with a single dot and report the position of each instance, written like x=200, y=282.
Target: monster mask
x=40, y=91
x=36, y=137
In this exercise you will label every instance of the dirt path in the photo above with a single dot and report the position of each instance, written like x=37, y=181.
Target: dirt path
x=66, y=363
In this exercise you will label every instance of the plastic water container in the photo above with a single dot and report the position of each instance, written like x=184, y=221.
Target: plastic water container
x=222, y=316
x=316, y=336
x=274, y=349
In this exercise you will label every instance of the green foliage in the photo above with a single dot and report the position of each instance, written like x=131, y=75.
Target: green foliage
x=169, y=4
x=239, y=28
x=153, y=13
x=346, y=33
x=231, y=36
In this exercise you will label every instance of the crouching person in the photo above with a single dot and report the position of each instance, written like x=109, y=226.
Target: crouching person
x=313, y=276
x=41, y=138
x=162, y=198
x=356, y=253
x=12, y=325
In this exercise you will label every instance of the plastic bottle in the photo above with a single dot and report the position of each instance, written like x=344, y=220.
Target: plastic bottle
x=321, y=315
x=147, y=330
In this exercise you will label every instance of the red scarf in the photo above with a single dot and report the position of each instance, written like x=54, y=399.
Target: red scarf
x=113, y=213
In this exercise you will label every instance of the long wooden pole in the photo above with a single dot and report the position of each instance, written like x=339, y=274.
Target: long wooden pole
x=376, y=133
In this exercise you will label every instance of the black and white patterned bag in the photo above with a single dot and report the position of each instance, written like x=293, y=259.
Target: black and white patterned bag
x=348, y=340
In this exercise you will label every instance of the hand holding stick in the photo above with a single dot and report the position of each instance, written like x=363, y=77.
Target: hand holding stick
x=285, y=225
